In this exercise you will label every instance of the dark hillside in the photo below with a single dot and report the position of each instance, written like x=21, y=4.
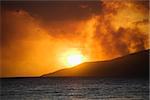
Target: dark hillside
x=132, y=65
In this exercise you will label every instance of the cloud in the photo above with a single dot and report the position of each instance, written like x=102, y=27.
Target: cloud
x=117, y=29
x=56, y=10
x=35, y=34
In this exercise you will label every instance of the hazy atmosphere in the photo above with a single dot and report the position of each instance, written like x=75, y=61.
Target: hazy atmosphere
x=42, y=37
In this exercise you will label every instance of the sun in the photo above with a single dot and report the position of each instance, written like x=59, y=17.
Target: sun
x=74, y=59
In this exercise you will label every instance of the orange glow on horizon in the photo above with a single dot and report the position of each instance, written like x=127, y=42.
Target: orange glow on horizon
x=48, y=38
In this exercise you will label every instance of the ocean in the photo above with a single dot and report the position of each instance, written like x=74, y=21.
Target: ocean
x=74, y=89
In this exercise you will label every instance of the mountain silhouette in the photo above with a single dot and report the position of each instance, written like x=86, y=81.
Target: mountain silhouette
x=132, y=65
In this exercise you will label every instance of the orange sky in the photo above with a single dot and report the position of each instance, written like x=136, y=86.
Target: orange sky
x=37, y=35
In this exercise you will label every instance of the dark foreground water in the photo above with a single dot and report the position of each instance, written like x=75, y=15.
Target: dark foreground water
x=74, y=89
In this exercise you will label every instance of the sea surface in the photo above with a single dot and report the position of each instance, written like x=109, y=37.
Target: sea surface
x=74, y=89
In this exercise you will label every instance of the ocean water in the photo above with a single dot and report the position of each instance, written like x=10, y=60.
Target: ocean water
x=74, y=89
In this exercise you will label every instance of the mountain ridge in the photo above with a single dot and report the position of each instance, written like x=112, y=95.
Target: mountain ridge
x=132, y=65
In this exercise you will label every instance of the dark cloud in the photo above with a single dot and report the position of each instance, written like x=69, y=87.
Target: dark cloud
x=144, y=21
x=144, y=3
x=56, y=10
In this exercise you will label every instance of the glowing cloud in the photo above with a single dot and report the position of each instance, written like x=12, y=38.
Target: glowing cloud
x=37, y=40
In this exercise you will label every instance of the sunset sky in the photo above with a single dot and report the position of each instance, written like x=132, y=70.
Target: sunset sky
x=38, y=37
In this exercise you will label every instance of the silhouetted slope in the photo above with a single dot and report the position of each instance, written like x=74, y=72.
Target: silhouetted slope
x=132, y=65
